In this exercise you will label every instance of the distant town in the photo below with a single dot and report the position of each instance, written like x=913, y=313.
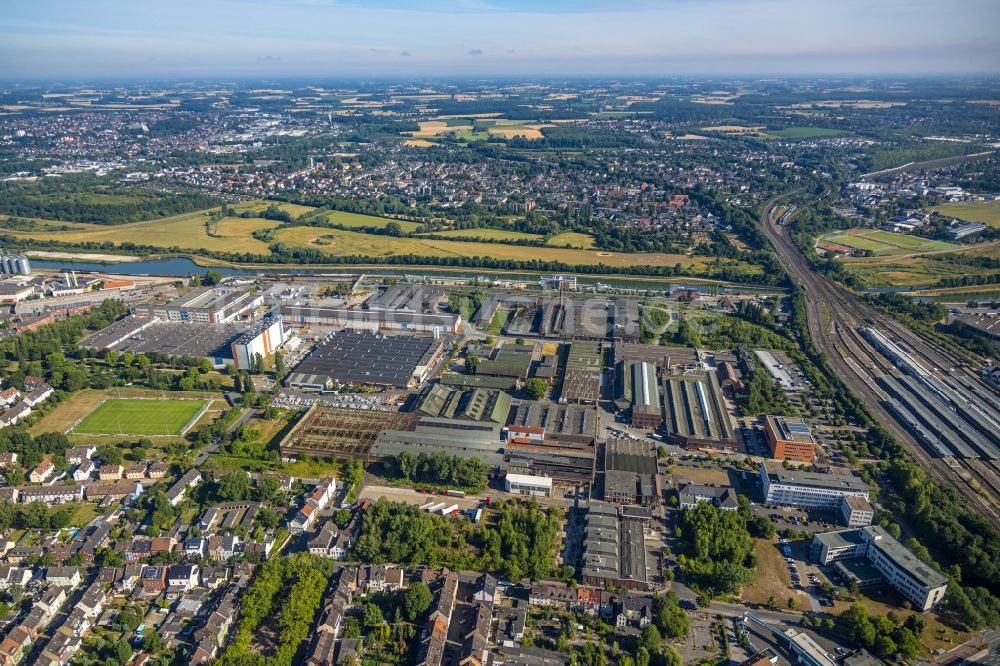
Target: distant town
x=536, y=373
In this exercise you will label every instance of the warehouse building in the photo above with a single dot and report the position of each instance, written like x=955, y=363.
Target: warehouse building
x=142, y=335
x=467, y=439
x=614, y=550
x=372, y=320
x=527, y=484
x=262, y=338
x=582, y=374
x=474, y=404
x=631, y=473
x=367, y=359
x=216, y=305
x=920, y=583
x=789, y=439
x=407, y=298
x=561, y=425
x=695, y=412
x=646, y=410
x=508, y=360
x=810, y=490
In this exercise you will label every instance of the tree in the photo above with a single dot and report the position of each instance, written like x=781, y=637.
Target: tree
x=671, y=657
x=536, y=388
x=417, y=599
x=372, y=616
x=651, y=639
x=279, y=366
x=234, y=487
x=268, y=488
x=110, y=454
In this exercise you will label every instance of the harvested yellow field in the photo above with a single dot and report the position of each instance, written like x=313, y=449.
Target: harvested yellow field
x=523, y=131
x=685, y=137
x=436, y=127
x=419, y=143
x=347, y=243
x=186, y=231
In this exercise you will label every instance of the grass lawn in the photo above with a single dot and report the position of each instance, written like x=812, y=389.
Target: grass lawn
x=356, y=220
x=884, y=243
x=572, y=239
x=140, y=417
x=83, y=512
x=987, y=212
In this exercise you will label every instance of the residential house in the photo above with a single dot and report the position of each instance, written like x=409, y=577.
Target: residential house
x=63, y=576
x=43, y=472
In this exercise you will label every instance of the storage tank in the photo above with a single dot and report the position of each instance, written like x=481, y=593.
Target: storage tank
x=23, y=266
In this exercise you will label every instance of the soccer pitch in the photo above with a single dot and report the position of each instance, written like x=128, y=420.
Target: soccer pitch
x=139, y=417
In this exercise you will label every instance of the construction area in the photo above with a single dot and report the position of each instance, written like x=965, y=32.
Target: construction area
x=340, y=433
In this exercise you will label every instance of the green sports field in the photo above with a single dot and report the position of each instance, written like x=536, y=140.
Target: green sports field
x=139, y=417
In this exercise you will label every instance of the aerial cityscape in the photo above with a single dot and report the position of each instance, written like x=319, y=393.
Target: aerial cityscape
x=377, y=333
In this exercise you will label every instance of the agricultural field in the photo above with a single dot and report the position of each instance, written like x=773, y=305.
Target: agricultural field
x=986, y=212
x=185, y=231
x=489, y=234
x=338, y=242
x=885, y=243
x=921, y=270
x=140, y=417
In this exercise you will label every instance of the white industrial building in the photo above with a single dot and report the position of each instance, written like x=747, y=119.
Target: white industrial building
x=809, y=490
x=262, y=338
x=214, y=305
x=527, y=484
x=920, y=583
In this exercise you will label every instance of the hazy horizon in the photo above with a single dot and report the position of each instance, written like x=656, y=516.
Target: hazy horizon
x=262, y=39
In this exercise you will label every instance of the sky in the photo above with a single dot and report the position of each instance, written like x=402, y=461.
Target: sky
x=107, y=39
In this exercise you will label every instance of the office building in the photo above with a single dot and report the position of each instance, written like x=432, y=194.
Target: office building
x=916, y=580
x=789, y=439
x=810, y=490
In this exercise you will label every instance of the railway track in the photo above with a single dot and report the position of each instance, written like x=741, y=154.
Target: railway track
x=834, y=316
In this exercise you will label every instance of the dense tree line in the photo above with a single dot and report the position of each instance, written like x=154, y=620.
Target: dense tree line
x=87, y=198
x=764, y=396
x=717, y=551
x=517, y=541
x=438, y=468
x=286, y=591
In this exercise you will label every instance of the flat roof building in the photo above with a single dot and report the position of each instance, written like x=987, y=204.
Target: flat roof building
x=367, y=359
x=371, y=320
x=214, y=305
x=789, y=439
x=810, y=490
x=916, y=580
x=528, y=484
